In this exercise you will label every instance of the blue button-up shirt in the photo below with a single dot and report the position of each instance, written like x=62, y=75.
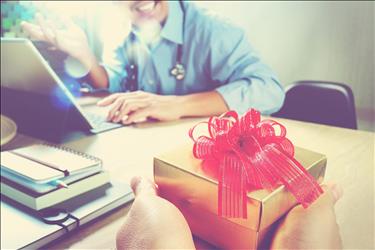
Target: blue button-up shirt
x=216, y=56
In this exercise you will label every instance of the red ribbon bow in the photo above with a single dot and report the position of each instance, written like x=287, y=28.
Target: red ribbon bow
x=251, y=154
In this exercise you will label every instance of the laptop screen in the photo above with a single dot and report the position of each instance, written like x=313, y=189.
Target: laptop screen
x=33, y=95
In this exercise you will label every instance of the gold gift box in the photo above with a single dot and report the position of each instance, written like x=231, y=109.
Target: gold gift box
x=182, y=181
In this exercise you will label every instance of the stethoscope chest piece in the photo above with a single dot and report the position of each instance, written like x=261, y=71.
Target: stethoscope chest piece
x=178, y=71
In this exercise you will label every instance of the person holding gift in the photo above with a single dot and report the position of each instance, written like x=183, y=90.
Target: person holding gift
x=155, y=223
x=176, y=61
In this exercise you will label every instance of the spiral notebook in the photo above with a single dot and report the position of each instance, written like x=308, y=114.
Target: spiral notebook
x=43, y=163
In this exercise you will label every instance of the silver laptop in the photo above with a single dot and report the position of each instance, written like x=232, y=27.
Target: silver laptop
x=35, y=97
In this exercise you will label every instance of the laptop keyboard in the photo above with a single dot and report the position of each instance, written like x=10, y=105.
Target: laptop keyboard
x=100, y=123
x=96, y=119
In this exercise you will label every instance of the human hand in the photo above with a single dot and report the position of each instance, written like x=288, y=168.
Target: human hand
x=311, y=228
x=70, y=39
x=139, y=105
x=153, y=222
x=161, y=224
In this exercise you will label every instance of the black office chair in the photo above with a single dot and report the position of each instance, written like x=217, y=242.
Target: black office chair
x=322, y=102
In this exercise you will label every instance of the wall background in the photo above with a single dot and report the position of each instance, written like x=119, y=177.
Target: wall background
x=323, y=40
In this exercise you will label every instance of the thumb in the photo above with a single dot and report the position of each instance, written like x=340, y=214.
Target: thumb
x=332, y=193
x=143, y=186
x=333, y=190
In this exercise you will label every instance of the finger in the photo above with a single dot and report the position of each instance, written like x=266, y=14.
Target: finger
x=108, y=100
x=332, y=193
x=46, y=29
x=115, y=109
x=137, y=93
x=334, y=190
x=124, y=110
x=312, y=228
x=129, y=95
x=129, y=106
x=67, y=22
x=34, y=31
x=142, y=186
x=138, y=116
x=54, y=32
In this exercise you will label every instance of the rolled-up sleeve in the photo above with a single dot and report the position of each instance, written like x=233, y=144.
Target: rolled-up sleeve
x=244, y=81
x=114, y=64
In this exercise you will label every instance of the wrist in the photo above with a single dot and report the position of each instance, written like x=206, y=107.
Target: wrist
x=181, y=106
x=88, y=60
x=201, y=104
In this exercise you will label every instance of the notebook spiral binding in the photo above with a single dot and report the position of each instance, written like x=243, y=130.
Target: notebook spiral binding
x=73, y=151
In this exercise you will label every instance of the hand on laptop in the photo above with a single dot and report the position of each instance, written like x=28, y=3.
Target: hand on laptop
x=138, y=106
x=70, y=39
x=154, y=222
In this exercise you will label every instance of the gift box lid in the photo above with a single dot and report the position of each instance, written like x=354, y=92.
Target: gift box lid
x=184, y=179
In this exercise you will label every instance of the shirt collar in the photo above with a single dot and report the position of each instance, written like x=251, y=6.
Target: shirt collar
x=173, y=28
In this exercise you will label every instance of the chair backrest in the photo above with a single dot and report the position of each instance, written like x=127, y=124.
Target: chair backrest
x=322, y=102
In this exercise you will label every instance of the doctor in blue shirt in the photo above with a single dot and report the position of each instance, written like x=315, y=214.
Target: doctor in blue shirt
x=197, y=65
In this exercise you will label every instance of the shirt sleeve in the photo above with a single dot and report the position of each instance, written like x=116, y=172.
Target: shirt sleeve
x=114, y=64
x=244, y=81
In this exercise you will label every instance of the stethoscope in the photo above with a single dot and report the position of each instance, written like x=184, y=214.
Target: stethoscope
x=130, y=83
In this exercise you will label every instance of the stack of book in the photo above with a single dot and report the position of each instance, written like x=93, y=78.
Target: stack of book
x=43, y=175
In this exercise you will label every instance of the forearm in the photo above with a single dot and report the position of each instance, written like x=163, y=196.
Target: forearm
x=263, y=94
x=97, y=75
x=202, y=104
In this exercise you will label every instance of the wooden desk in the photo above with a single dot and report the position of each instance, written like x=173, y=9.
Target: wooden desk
x=129, y=151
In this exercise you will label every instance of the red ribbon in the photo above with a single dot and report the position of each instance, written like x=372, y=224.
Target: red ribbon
x=251, y=154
